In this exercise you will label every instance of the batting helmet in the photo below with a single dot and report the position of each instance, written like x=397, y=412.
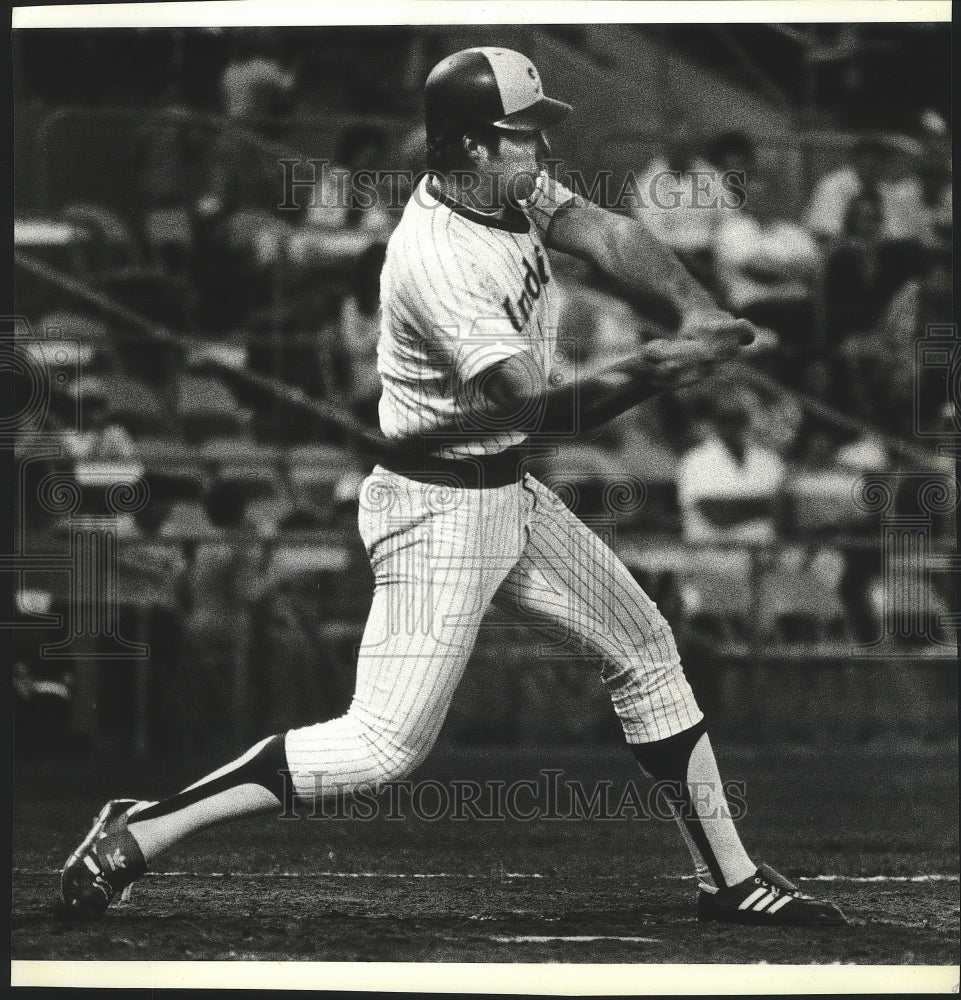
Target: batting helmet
x=495, y=86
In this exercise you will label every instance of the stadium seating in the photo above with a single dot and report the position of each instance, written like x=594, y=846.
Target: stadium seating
x=168, y=235
x=824, y=501
x=314, y=472
x=199, y=430
x=207, y=408
x=133, y=403
x=168, y=481
x=305, y=562
x=112, y=244
x=800, y=600
x=98, y=478
x=186, y=519
x=151, y=293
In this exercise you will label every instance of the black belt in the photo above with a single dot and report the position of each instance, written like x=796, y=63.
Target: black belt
x=471, y=472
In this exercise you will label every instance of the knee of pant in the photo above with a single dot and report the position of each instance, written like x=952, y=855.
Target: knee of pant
x=659, y=646
x=652, y=698
x=399, y=744
x=344, y=752
x=651, y=653
x=392, y=752
x=652, y=663
x=397, y=765
x=399, y=757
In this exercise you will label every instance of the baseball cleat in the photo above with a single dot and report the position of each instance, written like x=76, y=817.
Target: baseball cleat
x=766, y=898
x=107, y=861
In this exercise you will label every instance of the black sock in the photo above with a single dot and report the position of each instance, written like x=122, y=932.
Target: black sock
x=258, y=781
x=268, y=768
x=677, y=762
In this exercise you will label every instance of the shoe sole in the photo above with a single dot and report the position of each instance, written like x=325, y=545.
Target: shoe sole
x=757, y=920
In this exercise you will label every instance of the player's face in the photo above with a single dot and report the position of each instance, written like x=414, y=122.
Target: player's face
x=519, y=160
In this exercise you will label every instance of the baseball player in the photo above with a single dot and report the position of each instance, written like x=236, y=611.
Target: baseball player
x=452, y=521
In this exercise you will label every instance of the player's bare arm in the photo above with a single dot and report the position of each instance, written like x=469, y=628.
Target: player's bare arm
x=601, y=395
x=514, y=392
x=626, y=250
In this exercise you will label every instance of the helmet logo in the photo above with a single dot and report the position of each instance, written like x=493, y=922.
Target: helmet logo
x=532, y=73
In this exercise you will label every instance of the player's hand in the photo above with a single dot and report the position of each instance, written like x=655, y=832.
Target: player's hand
x=674, y=364
x=718, y=330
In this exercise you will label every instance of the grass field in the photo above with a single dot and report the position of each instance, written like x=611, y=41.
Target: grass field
x=873, y=827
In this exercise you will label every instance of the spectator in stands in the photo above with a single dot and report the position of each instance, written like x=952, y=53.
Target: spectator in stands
x=346, y=213
x=767, y=265
x=351, y=359
x=777, y=418
x=730, y=486
x=828, y=465
x=101, y=437
x=221, y=583
x=594, y=324
x=576, y=310
x=205, y=405
x=860, y=272
x=339, y=201
x=169, y=162
x=149, y=558
x=879, y=368
x=733, y=154
x=922, y=302
x=240, y=232
x=877, y=169
x=298, y=669
x=935, y=174
x=256, y=86
x=677, y=197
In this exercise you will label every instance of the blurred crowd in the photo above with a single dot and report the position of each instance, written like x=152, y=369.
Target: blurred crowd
x=285, y=284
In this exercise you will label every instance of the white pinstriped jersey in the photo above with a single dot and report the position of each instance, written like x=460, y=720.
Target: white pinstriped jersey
x=461, y=291
x=441, y=558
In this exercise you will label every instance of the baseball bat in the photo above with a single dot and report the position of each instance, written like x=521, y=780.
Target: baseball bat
x=370, y=441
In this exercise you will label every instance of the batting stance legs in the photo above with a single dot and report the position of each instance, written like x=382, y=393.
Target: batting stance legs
x=572, y=586
x=441, y=556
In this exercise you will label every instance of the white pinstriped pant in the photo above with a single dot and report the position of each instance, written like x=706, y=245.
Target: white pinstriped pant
x=440, y=557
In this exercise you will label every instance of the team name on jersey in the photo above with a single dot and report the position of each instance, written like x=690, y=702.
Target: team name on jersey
x=519, y=310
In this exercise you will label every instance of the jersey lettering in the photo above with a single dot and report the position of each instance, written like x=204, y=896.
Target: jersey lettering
x=458, y=296
x=534, y=282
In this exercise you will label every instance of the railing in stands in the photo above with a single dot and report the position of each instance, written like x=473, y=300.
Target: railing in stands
x=151, y=597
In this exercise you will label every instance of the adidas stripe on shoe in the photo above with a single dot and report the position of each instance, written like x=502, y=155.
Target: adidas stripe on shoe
x=766, y=898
